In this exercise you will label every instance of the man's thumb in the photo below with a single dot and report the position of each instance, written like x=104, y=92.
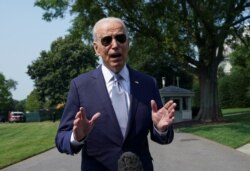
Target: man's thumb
x=95, y=118
x=154, y=106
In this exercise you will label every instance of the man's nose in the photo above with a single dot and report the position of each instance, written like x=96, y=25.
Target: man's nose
x=114, y=43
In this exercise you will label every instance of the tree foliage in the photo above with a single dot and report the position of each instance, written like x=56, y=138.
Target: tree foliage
x=6, y=100
x=33, y=103
x=235, y=88
x=142, y=55
x=53, y=70
x=181, y=35
x=240, y=59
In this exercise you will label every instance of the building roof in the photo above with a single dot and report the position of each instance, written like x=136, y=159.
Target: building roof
x=171, y=91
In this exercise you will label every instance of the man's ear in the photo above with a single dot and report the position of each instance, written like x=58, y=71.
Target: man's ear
x=96, y=49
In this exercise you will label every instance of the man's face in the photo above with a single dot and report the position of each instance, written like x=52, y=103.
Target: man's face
x=112, y=45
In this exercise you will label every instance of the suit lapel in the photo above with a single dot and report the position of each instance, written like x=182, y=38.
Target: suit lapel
x=134, y=89
x=105, y=101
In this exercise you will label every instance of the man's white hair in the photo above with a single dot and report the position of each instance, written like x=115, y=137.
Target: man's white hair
x=107, y=19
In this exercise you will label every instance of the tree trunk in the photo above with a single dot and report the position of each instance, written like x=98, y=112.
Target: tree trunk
x=209, y=104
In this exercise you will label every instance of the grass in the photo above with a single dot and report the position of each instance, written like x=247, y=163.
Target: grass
x=233, y=133
x=235, y=111
x=23, y=140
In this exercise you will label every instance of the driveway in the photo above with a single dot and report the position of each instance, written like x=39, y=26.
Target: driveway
x=186, y=153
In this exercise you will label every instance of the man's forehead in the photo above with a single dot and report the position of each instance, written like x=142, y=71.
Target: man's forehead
x=110, y=28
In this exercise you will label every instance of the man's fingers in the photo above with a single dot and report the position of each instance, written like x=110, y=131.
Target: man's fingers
x=171, y=109
x=95, y=118
x=168, y=104
x=76, y=121
x=171, y=113
x=82, y=111
x=80, y=114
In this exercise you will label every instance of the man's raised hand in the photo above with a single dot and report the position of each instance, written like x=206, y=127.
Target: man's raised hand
x=82, y=126
x=163, y=117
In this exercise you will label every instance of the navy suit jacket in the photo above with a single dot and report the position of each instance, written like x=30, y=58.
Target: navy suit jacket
x=105, y=143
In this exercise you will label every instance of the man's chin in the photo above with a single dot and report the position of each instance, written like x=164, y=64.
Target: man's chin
x=117, y=67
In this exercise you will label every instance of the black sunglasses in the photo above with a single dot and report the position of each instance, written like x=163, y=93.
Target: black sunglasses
x=121, y=38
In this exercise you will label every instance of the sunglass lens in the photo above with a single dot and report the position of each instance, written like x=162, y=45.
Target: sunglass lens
x=106, y=40
x=121, y=38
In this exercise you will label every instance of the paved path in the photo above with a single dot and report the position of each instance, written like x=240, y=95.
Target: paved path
x=186, y=153
x=245, y=149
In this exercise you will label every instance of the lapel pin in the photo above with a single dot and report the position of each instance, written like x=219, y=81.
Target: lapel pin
x=136, y=82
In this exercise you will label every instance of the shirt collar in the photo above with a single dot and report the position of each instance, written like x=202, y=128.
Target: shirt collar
x=108, y=74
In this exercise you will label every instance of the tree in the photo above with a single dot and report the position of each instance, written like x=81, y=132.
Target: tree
x=18, y=105
x=206, y=26
x=53, y=70
x=240, y=60
x=239, y=77
x=5, y=94
x=33, y=103
x=157, y=63
x=142, y=58
x=191, y=33
x=234, y=88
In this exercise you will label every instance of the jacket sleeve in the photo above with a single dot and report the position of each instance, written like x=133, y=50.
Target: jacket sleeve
x=65, y=128
x=155, y=136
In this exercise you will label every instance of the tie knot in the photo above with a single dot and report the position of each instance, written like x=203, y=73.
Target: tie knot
x=117, y=77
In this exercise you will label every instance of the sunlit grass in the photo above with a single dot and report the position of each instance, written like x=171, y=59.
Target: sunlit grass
x=23, y=140
x=235, y=111
x=233, y=133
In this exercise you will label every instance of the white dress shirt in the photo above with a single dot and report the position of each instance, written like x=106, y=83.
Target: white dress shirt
x=125, y=82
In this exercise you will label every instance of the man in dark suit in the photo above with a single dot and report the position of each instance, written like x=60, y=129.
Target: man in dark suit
x=91, y=121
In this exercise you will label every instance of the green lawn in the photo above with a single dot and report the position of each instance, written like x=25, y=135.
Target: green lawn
x=23, y=140
x=235, y=111
x=233, y=133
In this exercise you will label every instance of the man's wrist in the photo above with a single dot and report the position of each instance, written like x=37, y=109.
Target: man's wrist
x=73, y=141
x=161, y=132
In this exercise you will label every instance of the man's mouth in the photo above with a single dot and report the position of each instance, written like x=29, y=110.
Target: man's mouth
x=115, y=55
